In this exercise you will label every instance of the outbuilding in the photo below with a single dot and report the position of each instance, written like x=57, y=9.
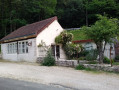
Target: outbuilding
x=30, y=42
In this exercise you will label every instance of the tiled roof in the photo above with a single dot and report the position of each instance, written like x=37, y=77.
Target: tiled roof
x=82, y=41
x=30, y=29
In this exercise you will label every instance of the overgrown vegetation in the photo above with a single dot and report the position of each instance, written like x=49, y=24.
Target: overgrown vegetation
x=102, y=33
x=117, y=57
x=92, y=55
x=49, y=60
x=71, y=50
x=71, y=13
x=81, y=67
x=78, y=35
x=107, y=60
x=64, y=38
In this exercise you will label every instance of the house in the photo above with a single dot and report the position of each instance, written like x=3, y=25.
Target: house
x=89, y=44
x=23, y=44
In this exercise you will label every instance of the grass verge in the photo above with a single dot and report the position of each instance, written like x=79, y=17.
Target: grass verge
x=81, y=67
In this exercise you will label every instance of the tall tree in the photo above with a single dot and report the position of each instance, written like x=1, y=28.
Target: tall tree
x=102, y=33
x=16, y=13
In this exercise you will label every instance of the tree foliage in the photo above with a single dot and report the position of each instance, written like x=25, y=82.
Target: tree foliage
x=64, y=38
x=102, y=33
x=71, y=13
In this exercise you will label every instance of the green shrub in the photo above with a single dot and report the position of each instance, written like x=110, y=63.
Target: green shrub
x=72, y=50
x=107, y=60
x=82, y=58
x=92, y=55
x=117, y=57
x=83, y=53
x=80, y=67
x=49, y=59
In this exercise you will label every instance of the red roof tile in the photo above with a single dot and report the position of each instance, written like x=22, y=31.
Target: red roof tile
x=82, y=41
x=30, y=29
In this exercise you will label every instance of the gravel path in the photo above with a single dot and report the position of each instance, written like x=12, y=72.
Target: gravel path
x=60, y=76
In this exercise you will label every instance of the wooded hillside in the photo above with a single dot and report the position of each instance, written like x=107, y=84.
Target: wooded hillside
x=71, y=13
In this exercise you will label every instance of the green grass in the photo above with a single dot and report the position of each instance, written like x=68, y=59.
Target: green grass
x=78, y=35
x=116, y=63
x=81, y=67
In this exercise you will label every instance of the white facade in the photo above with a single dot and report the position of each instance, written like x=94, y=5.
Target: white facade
x=92, y=45
x=17, y=56
x=47, y=35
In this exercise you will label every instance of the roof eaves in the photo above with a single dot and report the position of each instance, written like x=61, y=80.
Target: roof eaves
x=18, y=38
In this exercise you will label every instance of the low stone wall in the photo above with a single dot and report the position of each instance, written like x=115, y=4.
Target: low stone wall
x=81, y=62
x=103, y=67
x=67, y=63
x=39, y=59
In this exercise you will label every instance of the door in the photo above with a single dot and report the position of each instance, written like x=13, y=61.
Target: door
x=55, y=50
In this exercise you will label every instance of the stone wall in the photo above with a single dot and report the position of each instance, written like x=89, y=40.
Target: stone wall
x=67, y=63
x=39, y=59
x=103, y=67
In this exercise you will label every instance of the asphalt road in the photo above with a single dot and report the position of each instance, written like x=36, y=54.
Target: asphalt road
x=10, y=84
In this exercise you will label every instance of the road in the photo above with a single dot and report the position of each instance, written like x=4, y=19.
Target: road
x=10, y=84
x=60, y=76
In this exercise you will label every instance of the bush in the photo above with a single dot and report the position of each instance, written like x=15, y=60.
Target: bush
x=80, y=67
x=83, y=53
x=72, y=50
x=92, y=55
x=107, y=60
x=49, y=60
x=117, y=57
x=82, y=58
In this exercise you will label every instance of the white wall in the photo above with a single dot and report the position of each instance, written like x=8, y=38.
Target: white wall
x=49, y=34
x=107, y=49
x=30, y=56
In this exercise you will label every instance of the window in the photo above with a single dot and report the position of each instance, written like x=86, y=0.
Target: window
x=21, y=47
x=11, y=48
x=56, y=50
x=88, y=46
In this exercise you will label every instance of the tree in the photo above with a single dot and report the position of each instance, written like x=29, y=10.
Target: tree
x=70, y=13
x=102, y=33
x=64, y=38
x=16, y=13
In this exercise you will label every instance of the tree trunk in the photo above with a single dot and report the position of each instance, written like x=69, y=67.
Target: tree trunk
x=86, y=17
x=101, y=52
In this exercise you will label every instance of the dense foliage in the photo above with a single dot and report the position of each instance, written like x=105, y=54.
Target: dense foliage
x=64, y=38
x=92, y=55
x=72, y=50
x=107, y=60
x=49, y=59
x=102, y=33
x=71, y=13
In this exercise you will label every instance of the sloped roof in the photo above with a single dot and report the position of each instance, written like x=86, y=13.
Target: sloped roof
x=82, y=41
x=29, y=30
